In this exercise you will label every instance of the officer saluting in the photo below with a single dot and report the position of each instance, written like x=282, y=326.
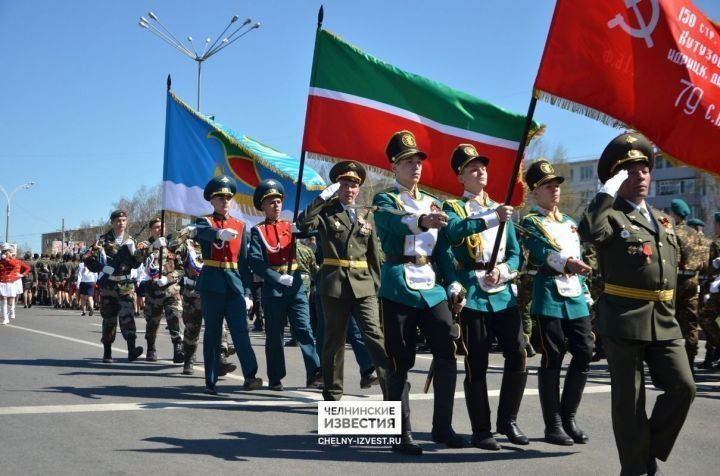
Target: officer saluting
x=491, y=308
x=637, y=249
x=284, y=295
x=350, y=274
x=407, y=221
x=224, y=283
x=559, y=303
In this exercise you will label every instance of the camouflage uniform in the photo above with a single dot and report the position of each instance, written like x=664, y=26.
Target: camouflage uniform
x=690, y=261
x=711, y=308
x=161, y=297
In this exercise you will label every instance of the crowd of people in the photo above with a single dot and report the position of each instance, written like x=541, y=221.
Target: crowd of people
x=628, y=282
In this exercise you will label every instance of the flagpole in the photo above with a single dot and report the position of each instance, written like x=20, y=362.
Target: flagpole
x=298, y=188
x=513, y=176
x=162, y=194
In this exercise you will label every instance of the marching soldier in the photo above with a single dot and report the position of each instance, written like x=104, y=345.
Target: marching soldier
x=690, y=262
x=490, y=308
x=637, y=249
x=408, y=221
x=697, y=225
x=113, y=254
x=560, y=303
x=224, y=283
x=711, y=307
x=162, y=291
x=350, y=274
x=272, y=257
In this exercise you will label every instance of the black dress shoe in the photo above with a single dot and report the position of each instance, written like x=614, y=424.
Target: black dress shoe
x=316, y=381
x=368, y=380
x=485, y=441
x=449, y=437
x=276, y=386
x=513, y=433
x=407, y=448
x=210, y=390
x=558, y=437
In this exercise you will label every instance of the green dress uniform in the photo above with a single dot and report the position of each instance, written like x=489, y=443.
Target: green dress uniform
x=411, y=297
x=272, y=256
x=637, y=256
x=490, y=309
x=349, y=277
x=560, y=304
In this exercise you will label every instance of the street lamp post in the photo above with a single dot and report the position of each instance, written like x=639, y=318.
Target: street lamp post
x=8, y=198
x=209, y=50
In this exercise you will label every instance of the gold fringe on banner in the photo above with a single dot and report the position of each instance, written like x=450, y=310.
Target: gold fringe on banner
x=580, y=109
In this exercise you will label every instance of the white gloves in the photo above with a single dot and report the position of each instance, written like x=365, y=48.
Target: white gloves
x=162, y=281
x=159, y=243
x=109, y=270
x=286, y=280
x=716, y=263
x=329, y=191
x=227, y=234
x=613, y=184
x=248, y=303
x=454, y=288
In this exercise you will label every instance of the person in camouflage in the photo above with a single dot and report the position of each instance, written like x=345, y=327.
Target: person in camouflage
x=44, y=279
x=711, y=305
x=113, y=254
x=689, y=264
x=522, y=287
x=28, y=281
x=165, y=272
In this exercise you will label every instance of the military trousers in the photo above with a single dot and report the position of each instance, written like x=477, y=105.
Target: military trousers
x=639, y=438
x=295, y=309
x=338, y=314
x=557, y=336
x=163, y=300
x=216, y=308
x=708, y=320
x=686, y=313
x=116, y=306
x=192, y=320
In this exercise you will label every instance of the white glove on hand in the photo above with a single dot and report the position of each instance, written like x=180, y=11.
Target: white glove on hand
x=286, y=280
x=162, y=281
x=329, y=191
x=454, y=288
x=248, y=303
x=716, y=263
x=227, y=234
x=613, y=184
x=108, y=270
x=159, y=243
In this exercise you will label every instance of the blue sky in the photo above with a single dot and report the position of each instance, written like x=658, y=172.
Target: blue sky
x=82, y=89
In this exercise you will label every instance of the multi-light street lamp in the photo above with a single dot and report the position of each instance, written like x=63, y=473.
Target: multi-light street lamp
x=208, y=51
x=8, y=198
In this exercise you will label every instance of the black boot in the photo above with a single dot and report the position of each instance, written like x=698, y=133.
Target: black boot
x=708, y=361
x=133, y=351
x=189, y=351
x=511, y=393
x=549, y=390
x=151, y=355
x=225, y=367
x=399, y=389
x=107, y=354
x=444, y=388
x=572, y=394
x=178, y=354
x=531, y=352
x=476, y=399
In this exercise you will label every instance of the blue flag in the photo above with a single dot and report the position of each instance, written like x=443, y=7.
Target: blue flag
x=197, y=148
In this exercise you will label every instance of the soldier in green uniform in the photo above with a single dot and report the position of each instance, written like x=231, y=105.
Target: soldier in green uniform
x=690, y=262
x=697, y=225
x=637, y=254
x=272, y=256
x=162, y=291
x=711, y=306
x=350, y=274
x=113, y=255
x=560, y=302
x=490, y=308
x=408, y=221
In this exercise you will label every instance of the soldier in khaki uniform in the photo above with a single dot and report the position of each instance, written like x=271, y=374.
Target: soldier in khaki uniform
x=690, y=262
x=711, y=306
x=350, y=274
x=637, y=249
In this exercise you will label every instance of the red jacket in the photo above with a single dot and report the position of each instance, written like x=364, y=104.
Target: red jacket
x=11, y=269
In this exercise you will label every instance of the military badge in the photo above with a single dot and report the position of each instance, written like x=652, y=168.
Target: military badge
x=546, y=168
x=435, y=208
x=469, y=150
x=624, y=234
x=408, y=140
x=665, y=222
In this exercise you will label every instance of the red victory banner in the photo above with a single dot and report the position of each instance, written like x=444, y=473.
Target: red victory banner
x=651, y=65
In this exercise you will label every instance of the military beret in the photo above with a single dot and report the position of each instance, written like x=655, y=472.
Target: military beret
x=679, y=207
x=153, y=221
x=402, y=145
x=463, y=155
x=623, y=150
x=221, y=185
x=266, y=189
x=696, y=222
x=117, y=214
x=349, y=170
x=539, y=173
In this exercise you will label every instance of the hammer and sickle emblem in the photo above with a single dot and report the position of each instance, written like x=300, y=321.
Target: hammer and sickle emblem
x=645, y=28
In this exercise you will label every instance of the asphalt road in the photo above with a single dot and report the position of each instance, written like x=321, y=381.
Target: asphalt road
x=64, y=412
